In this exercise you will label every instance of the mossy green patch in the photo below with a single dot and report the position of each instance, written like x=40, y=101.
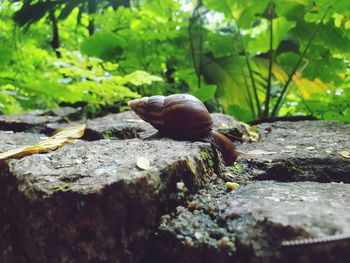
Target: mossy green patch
x=60, y=188
x=191, y=163
x=293, y=168
x=205, y=156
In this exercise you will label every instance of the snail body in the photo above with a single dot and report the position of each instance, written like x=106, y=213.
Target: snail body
x=183, y=117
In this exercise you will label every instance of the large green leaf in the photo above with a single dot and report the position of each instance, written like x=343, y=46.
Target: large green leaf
x=104, y=45
x=223, y=6
x=261, y=43
x=231, y=78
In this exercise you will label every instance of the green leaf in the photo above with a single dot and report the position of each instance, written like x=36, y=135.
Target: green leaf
x=68, y=8
x=8, y=103
x=140, y=77
x=223, y=6
x=334, y=38
x=205, y=93
x=261, y=43
x=231, y=78
x=104, y=45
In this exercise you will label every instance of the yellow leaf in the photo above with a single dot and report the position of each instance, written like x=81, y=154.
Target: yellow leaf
x=232, y=186
x=223, y=125
x=19, y=152
x=73, y=132
x=143, y=163
x=253, y=131
x=310, y=87
x=279, y=73
x=65, y=136
x=345, y=154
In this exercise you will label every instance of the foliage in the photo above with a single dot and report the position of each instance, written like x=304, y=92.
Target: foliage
x=248, y=58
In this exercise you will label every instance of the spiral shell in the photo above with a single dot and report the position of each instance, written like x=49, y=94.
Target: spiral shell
x=179, y=116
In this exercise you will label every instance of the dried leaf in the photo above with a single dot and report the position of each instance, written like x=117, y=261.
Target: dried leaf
x=143, y=163
x=73, y=132
x=65, y=136
x=252, y=131
x=345, y=154
x=16, y=153
x=223, y=125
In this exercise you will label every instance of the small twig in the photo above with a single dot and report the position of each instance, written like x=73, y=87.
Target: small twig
x=269, y=79
x=250, y=99
x=195, y=65
x=250, y=73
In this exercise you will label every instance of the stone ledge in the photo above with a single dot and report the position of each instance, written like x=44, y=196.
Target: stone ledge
x=88, y=201
x=251, y=223
x=301, y=151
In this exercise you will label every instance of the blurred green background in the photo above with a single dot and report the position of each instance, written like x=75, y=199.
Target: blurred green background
x=248, y=58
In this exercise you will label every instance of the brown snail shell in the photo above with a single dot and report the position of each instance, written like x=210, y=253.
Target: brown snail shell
x=183, y=116
x=179, y=116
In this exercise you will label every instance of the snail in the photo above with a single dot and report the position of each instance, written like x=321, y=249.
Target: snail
x=183, y=117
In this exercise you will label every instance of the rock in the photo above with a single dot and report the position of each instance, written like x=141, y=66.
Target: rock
x=126, y=125
x=220, y=119
x=11, y=140
x=37, y=121
x=89, y=202
x=251, y=223
x=300, y=151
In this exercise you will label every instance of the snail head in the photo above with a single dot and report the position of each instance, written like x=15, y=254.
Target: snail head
x=139, y=106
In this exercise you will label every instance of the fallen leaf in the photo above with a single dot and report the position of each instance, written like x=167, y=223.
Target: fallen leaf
x=58, y=140
x=232, y=186
x=260, y=152
x=143, y=163
x=73, y=132
x=252, y=131
x=16, y=153
x=223, y=125
x=345, y=154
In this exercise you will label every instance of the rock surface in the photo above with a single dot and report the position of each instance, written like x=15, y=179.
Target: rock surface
x=301, y=151
x=89, y=201
x=251, y=223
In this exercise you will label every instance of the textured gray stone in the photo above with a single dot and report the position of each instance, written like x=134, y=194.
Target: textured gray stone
x=251, y=223
x=38, y=121
x=303, y=151
x=89, y=201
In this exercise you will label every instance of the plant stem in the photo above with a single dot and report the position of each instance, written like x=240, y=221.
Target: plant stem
x=250, y=74
x=195, y=65
x=55, y=42
x=290, y=78
x=269, y=79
